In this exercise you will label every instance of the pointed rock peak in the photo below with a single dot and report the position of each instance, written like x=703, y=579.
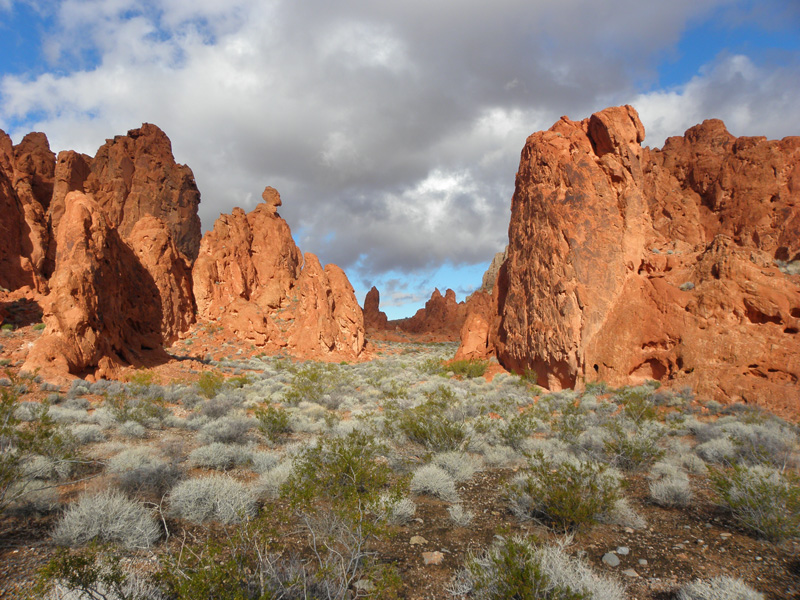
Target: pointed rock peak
x=450, y=296
x=32, y=141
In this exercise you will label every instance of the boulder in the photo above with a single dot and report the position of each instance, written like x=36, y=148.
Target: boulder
x=103, y=311
x=136, y=175
x=628, y=263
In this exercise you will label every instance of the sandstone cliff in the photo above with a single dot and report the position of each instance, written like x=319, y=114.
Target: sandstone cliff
x=626, y=263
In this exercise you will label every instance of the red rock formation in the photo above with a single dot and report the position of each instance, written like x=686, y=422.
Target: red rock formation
x=71, y=171
x=248, y=276
x=475, y=332
x=26, y=186
x=374, y=317
x=136, y=175
x=442, y=317
x=103, y=311
x=627, y=263
x=151, y=241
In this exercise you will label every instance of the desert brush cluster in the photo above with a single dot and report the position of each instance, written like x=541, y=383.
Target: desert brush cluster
x=272, y=479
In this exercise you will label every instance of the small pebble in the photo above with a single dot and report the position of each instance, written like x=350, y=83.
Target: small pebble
x=642, y=561
x=432, y=558
x=630, y=573
x=418, y=540
x=623, y=550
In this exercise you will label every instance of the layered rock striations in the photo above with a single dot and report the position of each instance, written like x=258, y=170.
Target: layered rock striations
x=626, y=263
x=251, y=278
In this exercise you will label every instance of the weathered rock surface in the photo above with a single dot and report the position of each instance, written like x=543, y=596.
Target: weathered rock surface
x=26, y=186
x=490, y=276
x=136, y=175
x=250, y=277
x=626, y=263
x=374, y=317
x=441, y=317
x=104, y=310
x=157, y=253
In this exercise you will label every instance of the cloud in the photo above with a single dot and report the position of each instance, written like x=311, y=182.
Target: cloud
x=391, y=129
x=750, y=99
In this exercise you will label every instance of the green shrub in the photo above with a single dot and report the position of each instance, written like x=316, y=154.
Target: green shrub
x=637, y=402
x=21, y=441
x=428, y=424
x=210, y=383
x=565, y=495
x=273, y=422
x=342, y=473
x=39, y=327
x=631, y=445
x=470, y=368
x=762, y=499
x=515, y=569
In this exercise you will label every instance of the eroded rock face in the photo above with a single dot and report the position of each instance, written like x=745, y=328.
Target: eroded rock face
x=251, y=278
x=104, y=309
x=26, y=186
x=374, y=317
x=152, y=243
x=442, y=317
x=626, y=263
x=136, y=175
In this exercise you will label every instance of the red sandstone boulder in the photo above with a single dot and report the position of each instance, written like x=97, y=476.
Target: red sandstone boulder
x=103, y=311
x=249, y=277
x=374, y=318
x=136, y=175
x=626, y=263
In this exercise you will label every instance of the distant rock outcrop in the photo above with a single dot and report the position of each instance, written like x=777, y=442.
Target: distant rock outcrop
x=136, y=175
x=103, y=311
x=251, y=278
x=442, y=317
x=374, y=317
x=626, y=263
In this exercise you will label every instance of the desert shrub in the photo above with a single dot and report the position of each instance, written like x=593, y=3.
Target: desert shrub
x=459, y=465
x=20, y=443
x=232, y=429
x=631, y=445
x=264, y=460
x=429, y=425
x=566, y=495
x=459, y=515
x=33, y=500
x=273, y=422
x=466, y=368
x=669, y=485
x=515, y=568
x=345, y=474
x=214, y=498
x=220, y=456
x=147, y=411
x=132, y=429
x=762, y=499
x=314, y=381
x=137, y=470
x=519, y=427
x=622, y=513
x=210, y=383
x=36, y=466
x=109, y=516
x=93, y=573
x=721, y=587
x=272, y=481
x=434, y=481
x=65, y=415
x=87, y=434
x=637, y=402
x=721, y=451
x=395, y=510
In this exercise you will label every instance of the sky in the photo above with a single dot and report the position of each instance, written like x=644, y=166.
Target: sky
x=391, y=129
